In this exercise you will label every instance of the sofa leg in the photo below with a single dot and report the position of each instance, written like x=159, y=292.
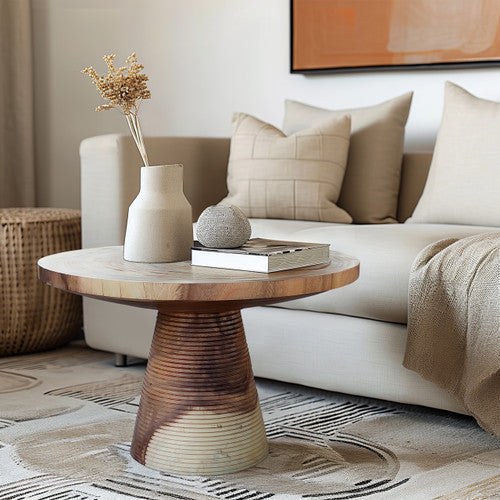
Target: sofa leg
x=120, y=359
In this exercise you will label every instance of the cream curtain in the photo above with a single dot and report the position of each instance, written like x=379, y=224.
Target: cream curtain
x=17, y=169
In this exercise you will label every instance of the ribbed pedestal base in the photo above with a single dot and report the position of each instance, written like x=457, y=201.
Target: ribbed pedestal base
x=199, y=410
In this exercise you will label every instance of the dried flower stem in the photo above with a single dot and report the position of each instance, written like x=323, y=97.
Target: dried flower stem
x=124, y=87
x=135, y=129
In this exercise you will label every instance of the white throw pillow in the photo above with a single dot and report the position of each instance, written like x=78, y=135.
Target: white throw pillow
x=463, y=185
x=274, y=176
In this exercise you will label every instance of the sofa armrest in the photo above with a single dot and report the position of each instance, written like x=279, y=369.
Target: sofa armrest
x=110, y=173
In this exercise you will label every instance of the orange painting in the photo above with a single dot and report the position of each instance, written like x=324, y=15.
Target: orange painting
x=343, y=34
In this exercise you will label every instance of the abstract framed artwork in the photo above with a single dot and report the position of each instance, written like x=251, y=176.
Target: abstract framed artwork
x=353, y=35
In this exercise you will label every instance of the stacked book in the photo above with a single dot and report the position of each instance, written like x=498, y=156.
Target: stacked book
x=262, y=255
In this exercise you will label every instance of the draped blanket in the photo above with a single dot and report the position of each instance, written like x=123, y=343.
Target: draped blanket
x=454, y=322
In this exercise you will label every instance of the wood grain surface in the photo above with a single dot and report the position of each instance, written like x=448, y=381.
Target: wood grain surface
x=102, y=273
x=199, y=410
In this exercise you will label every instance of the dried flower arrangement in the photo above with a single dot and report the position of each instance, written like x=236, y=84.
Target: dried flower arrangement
x=124, y=87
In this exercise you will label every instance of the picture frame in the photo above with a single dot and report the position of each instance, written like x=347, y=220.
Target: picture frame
x=361, y=35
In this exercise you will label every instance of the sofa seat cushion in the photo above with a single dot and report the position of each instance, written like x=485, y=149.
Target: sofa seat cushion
x=386, y=253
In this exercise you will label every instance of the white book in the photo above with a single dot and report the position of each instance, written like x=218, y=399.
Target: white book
x=262, y=255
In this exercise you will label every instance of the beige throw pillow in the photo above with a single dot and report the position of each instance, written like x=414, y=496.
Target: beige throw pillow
x=274, y=176
x=371, y=183
x=463, y=185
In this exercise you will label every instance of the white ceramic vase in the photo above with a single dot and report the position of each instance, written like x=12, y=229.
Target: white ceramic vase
x=159, y=224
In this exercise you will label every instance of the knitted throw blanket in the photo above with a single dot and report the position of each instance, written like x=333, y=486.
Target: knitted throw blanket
x=454, y=322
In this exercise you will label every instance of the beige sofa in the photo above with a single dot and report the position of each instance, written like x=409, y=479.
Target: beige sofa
x=349, y=340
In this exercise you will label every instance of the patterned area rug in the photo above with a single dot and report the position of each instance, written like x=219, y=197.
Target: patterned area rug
x=67, y=417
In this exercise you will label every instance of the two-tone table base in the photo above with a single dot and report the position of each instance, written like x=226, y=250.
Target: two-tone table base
x=199, y=410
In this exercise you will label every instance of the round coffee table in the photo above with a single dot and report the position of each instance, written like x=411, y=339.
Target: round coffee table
x=199, y=411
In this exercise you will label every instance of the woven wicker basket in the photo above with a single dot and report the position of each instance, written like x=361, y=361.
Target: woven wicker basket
x=34, y=316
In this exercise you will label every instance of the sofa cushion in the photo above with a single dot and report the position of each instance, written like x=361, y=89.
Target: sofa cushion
x=463, y=186
x=296, y=177
x=371, y=185
x=385, y=251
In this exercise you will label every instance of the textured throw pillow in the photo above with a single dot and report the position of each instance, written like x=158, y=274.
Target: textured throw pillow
x=371, y=183
x=274, y=176
x=463, y=185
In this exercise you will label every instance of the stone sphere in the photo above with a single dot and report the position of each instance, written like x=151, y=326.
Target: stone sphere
x=222, y=226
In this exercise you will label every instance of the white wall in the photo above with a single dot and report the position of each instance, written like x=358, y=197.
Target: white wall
x=205, y=59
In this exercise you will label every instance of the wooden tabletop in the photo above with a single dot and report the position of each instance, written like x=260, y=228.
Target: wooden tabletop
x=103, y=273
